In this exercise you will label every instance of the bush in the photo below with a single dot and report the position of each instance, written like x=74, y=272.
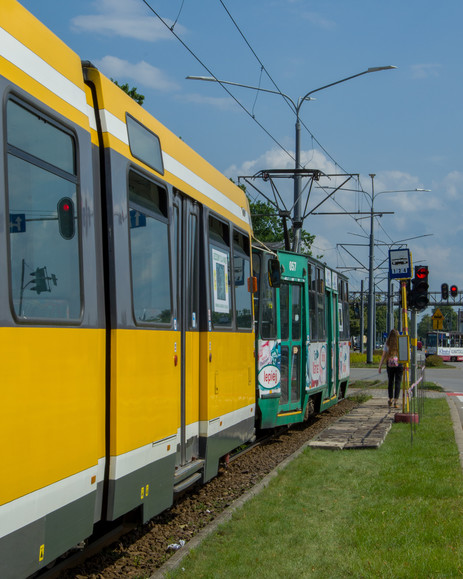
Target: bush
x=434, y=361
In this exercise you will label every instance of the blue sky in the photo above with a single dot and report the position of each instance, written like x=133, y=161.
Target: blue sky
x=404, y=125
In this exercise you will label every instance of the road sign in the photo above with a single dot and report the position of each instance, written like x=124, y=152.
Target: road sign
x=17, y=222
x=437, y=320
x=400, y=266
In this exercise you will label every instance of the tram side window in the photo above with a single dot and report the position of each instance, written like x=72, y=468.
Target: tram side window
x=313, y=304
x=345, y=311
x=321, y=321
x=241, y=274
x=264, y=299
x=219, y=255
x=149, y=248
x=145, y=145
x=284, y=310
x=43, y=217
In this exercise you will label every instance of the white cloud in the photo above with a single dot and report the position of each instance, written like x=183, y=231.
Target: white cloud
x=142, y=73
x=319, y=20
x=425, y=70
x=127, y=19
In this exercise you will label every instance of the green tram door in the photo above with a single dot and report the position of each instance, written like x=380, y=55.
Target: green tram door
x=293, y=328
x=332, y=337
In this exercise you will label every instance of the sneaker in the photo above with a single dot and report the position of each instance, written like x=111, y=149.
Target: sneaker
x=396, y=405
x=389, y=402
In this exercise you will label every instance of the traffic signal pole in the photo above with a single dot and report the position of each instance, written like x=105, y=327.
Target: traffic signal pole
x=406, y=377
x=414, y=343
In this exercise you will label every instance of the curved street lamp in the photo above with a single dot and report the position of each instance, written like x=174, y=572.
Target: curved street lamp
x=296, y=106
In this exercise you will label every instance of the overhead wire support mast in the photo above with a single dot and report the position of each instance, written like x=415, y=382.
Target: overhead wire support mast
x=269, y=175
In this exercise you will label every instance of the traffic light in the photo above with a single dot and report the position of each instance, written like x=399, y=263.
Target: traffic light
x=444, y=288
x=453, y=291
x=66, y=218
x=420, y=297
x=40, y=280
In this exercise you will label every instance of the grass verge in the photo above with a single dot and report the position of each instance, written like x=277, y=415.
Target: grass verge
x=392, y=512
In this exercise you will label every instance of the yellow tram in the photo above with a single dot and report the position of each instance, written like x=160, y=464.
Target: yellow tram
x=126, y=324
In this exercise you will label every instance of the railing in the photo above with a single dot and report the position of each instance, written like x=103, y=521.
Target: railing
x=415, y=401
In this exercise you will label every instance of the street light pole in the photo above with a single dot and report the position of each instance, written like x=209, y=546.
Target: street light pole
x=371, y=317
x=297, y=221
x=371, y=313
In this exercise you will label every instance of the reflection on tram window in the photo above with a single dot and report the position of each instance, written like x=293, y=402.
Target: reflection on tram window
x=44, y=256
x=149, y=248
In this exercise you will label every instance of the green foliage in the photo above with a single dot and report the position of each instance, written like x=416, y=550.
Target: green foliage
x=132, y=92
x=434, y=362
x=268, y=226
x=266, y=223
x=450, y=321
x=358, y=360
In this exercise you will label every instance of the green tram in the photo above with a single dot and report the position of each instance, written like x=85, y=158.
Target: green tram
x=302, y=337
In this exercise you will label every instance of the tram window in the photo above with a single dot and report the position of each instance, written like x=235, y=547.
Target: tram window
x=267, y=313
x=320, y=298
x=256, y=272
x=312, y=303
x=284, y=310
x=145, y=145
x=296, y=312
x=241, y=273
x=193, y=274
x=219, y=255
x=34, y=135
x=44, y=264
x=149, y=247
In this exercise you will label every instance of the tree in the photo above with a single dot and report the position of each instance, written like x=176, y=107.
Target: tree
x=450, y=321
x=268, y=226
x=132, y=92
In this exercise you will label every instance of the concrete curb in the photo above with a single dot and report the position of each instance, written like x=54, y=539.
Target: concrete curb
x=176, y=559
x=457, y=427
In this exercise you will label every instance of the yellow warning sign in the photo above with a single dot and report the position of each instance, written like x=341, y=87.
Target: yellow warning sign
x=437, y=320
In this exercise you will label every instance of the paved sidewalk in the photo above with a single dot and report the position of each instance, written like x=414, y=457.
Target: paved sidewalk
x=364, y=427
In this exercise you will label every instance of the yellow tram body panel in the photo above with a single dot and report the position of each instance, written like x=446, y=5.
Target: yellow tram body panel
x=54, y=417
x=145, y=388
x=228, y=376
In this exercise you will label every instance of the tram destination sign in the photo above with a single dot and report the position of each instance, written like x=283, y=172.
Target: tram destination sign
x=400, y=266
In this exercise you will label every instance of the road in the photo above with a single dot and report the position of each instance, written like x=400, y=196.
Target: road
x=451, y=380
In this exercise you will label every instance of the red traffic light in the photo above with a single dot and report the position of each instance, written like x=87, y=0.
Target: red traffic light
x=421, y=272
x=453, y=291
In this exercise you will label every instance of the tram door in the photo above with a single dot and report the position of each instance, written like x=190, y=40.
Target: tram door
x=291, y=345
x=331, y=312
x=186, y=266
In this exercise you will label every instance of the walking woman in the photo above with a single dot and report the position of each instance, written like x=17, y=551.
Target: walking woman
x=394, y=369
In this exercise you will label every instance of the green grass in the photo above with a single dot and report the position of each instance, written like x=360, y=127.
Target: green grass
x=358, y=360
x=392, y=512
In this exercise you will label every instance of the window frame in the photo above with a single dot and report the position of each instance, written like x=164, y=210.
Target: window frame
x=167, y=220
x=74, y=178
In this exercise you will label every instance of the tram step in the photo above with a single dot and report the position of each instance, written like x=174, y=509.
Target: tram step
x=186, y=471
x=185, y=483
